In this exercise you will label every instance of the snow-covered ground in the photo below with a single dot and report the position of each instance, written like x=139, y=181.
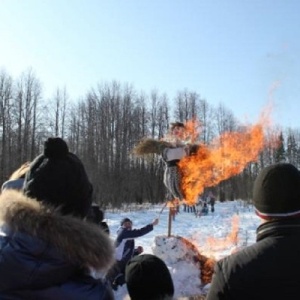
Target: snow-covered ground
x=231, y=227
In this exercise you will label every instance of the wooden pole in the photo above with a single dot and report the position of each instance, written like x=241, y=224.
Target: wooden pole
x=162, y=209
x=170, y=220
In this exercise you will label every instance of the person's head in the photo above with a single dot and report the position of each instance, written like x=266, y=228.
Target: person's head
x=95, y=214
x=177, y=129
x=126, y=223
x=20, y=172
x=58, y=177
x=148, y=278
x=276, y=192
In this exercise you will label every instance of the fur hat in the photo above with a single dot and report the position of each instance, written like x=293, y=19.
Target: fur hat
x=58, y=177
x=276, y=192
x=148, y=278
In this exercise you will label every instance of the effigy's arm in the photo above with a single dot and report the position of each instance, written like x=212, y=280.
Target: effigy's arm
x=148, y=146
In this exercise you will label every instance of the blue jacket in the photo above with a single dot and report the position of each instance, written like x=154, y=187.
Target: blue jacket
x=44, y=255
x=124, y=242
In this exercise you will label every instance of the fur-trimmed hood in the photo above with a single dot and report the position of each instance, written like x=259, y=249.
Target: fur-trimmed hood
x=79, y=241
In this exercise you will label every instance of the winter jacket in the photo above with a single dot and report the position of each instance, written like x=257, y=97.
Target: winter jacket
x=124, y=242
x=268, y=269
x=44, y=255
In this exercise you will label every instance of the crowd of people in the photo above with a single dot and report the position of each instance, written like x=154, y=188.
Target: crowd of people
x=47, y=249
x=55, y=244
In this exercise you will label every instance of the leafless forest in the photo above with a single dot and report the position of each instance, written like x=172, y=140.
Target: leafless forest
x=105, y=124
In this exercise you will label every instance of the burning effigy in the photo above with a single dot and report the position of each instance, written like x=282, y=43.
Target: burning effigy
x=224, y=157
x=176, y=145
x=207, y=164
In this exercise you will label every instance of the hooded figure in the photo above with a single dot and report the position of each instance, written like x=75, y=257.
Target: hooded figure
x=268, y=269
x=46, y=251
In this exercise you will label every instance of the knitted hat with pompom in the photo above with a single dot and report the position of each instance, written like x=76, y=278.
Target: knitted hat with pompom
x=58, y=178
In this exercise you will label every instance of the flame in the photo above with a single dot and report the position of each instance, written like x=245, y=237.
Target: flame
x=206, y=264
x=173, y=203
x=229, y=240
x=190, y=134
x=192, y=130
x=223, y=158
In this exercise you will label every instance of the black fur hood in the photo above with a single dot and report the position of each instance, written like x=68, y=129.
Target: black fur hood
x=79, y=241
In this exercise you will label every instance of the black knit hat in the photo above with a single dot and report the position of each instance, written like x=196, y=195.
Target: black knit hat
x=58, y=177
x=148, y=278
x=276, y=192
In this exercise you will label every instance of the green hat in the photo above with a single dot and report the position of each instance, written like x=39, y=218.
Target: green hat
x=276, y=192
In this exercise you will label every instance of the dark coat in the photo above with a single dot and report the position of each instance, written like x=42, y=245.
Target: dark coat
x=124, y=251
x=269, y=269
x=124, y=242
x=44, y=255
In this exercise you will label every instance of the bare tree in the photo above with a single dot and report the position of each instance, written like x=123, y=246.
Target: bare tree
x=59, y=104
x=28, y=93
x=6, y=97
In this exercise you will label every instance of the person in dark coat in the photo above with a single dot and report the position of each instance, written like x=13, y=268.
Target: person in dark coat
x=148, y=278
x=268, y=269
x=125, y=249
x=96, y=216
x=211, y=200
x=47, y=250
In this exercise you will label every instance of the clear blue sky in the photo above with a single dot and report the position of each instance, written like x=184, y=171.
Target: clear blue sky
x=229, y=51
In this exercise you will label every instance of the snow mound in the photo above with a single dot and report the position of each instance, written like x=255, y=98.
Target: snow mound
x=184, y=261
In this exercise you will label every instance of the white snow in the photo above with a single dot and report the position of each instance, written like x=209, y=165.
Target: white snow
x=231, y=227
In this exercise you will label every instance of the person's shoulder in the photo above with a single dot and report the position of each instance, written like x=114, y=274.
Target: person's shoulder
x=240, y=258
x=121, y=230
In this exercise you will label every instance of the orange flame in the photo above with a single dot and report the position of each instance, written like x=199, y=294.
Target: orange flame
x=190, y=134
x=225, y=157
x=206, y=264
x=192, y=130
x=229, y=240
